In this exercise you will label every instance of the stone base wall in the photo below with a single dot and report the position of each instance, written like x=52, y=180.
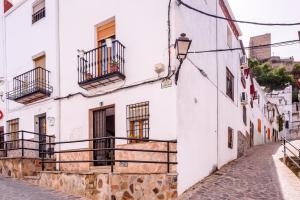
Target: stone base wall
x=111, y=186
x=127, y=167
x=18, y=167
x=243, y=144
x=75, y=167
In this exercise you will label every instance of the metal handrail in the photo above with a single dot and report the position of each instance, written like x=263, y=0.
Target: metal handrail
x=285, y=148
x=111, y=150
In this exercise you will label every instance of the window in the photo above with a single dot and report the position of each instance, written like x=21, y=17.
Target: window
x=259, y=125
x=229, y=84
x=229, y=37
x=245, y=115
x=138, y=121
x=38, y=10
x=13, y=128
x=230, y=138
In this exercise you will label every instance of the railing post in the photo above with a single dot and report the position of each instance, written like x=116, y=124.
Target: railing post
x=42, y=151
x=112, y=149
x=50, y=153
x=168, y=156
x=22, y=143
x=6, y=154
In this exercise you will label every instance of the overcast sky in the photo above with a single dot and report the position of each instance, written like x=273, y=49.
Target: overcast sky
x=270, y=11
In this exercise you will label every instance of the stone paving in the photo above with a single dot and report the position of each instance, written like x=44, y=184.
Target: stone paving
x=258, y=175
x=11, y=189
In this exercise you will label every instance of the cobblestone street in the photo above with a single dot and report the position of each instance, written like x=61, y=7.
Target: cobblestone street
x=16, y=190
x=258, y=175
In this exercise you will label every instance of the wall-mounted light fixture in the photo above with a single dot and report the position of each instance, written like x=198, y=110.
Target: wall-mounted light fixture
x=182, y=46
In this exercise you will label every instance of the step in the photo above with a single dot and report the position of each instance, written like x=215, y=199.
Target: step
x=100, y=169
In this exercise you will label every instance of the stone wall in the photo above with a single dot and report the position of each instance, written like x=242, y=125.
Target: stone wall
x=18, y=167
x=260, y=53
x=75, y=167
x=243, y=143
x=127, y=167
x=111, y=186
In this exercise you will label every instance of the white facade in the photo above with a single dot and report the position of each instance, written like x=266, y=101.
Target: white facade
x=197, y=112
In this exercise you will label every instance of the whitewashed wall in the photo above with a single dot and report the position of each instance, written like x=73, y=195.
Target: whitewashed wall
x=23, y=41
x=202, y=141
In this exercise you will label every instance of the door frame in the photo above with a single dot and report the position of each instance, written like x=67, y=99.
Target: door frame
x=37, y=127
x=91, y=129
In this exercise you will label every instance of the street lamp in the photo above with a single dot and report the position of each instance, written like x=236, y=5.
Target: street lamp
x=182, y=46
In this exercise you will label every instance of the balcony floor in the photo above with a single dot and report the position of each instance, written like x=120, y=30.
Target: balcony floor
x=102, y=80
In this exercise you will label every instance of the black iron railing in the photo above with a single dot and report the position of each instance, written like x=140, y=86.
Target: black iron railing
x=101, y=62
x=38, y=15
x=26, y=144
x=291, y=151
x=35, y=80
x=108, y=149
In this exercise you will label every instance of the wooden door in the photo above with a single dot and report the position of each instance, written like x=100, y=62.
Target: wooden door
x=13, y=126
x=103, y=126
x=1, y=137
x=42, y=137
x=104, y=32
x=40, y=65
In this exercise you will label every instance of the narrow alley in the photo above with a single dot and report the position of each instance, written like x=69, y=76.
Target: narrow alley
x=258, y=175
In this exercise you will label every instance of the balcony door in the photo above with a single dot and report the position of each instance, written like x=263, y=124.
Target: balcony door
x=103, y=126
x=40, y=75
x=104, y=32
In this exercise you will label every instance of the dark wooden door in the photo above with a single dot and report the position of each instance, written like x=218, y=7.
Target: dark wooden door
x=103, y=126
x=42, y=136
x=1, y=137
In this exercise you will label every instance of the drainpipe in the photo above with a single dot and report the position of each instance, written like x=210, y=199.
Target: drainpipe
x=4, y=64
x=217, y=68
x=58, y=78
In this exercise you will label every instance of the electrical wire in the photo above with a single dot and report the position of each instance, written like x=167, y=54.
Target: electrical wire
x=277, y=44
x=180, y=2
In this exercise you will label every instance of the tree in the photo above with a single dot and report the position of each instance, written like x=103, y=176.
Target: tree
x=272, y=79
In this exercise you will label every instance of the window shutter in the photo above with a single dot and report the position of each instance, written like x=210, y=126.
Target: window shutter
x=38, y=5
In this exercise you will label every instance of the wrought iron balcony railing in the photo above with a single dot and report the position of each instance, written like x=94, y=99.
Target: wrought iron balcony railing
x=101, y=66
x=31, y=86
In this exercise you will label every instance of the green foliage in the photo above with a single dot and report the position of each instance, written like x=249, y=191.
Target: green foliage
x=280, y=122
x=272, y=79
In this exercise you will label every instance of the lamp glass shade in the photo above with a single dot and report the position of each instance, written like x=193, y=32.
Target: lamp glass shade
x=182, y=46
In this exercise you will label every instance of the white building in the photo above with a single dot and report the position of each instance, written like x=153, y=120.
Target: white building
x=103, y=82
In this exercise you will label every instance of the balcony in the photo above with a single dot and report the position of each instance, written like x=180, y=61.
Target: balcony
x=101, y=66
x=31, y=86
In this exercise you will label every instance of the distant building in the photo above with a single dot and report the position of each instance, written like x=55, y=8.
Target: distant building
x=264, y=54
x=260, y=53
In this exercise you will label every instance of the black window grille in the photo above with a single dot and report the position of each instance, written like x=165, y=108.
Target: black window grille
x=138, y=121
x=36, y=16
x=229, y=84
x=230, y=138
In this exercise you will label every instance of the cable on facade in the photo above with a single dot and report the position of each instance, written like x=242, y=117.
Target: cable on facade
x=169, y=37
x=277, y=44
x=180, y=2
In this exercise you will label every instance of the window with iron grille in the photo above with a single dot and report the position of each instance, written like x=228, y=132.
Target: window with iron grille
x=138, y=121
x=230, y=138
x=38, y=10
x=229, y=84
